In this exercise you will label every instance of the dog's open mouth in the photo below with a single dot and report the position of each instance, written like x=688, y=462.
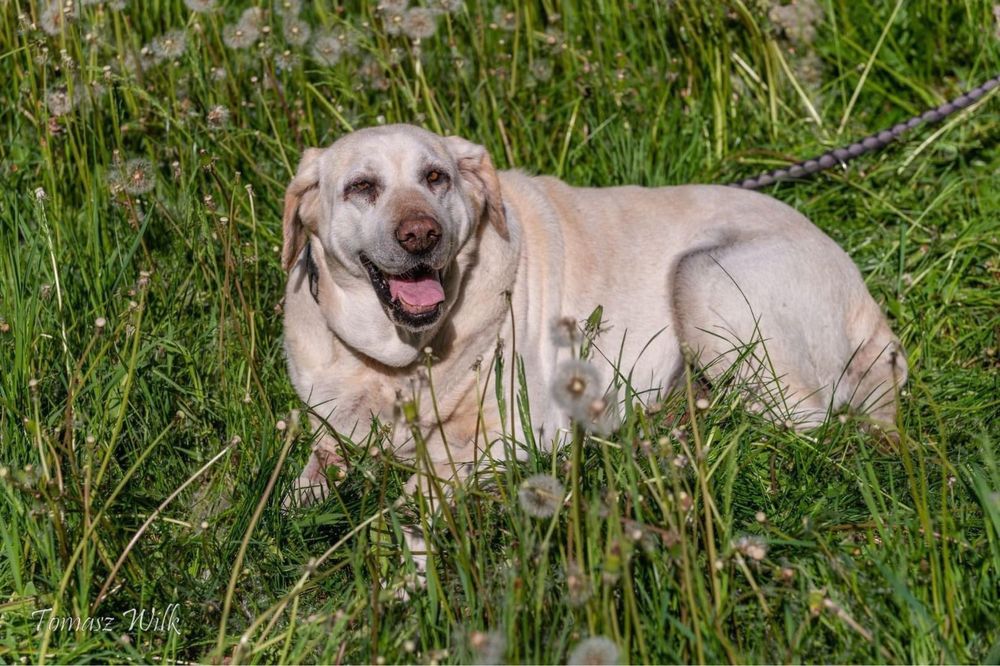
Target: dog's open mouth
x=413, y=298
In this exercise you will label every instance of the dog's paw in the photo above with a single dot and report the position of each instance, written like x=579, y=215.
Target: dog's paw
x=304, y=492
x=311, y=486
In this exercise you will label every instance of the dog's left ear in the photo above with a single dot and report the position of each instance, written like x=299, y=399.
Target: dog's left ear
x=301, y=199
x=480, y=180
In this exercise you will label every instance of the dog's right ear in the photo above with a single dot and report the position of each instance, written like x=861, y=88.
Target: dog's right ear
x=301, y=200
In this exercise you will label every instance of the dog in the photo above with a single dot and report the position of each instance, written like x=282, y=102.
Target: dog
x=411, y=259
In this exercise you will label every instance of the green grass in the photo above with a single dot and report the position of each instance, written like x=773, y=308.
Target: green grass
x=874, y=553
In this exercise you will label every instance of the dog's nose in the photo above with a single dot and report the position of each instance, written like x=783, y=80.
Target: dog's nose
x=418, y=235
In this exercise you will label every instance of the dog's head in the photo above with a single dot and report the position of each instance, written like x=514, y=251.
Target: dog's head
x=393, y=207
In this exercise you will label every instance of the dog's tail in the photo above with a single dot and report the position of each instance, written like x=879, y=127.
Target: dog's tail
x=868, y=144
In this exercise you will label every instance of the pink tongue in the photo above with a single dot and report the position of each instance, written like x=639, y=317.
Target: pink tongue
x=421, y=292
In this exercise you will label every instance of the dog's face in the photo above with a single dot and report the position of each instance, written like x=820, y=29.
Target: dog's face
x=393, y=207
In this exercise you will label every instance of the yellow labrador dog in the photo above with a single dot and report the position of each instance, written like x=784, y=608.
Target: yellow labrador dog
x=400, y=243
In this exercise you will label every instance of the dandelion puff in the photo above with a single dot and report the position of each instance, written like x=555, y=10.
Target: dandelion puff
x=326, y=49
x=754, y=547
x=239, y=36
x=56, y=16
x=595, y=650
x=135, y=177
x=170, y=45
x=565, y=331
x=116, y=5
x=541, y=495
x=201, y=6
x=504, y=18
x=488, y=646
x=577, y=585
x=797, y=20
x=601, y=416
x=286, y=61
x=296, y=31
x=288, y=8
x=419, y=23
x=252, y=18
x=390, y=7
x=575, y=387
x=371, y=70
x=451, y=6
x=217, y=117
x=541, y=69
x=393, y=24
x=59, y=101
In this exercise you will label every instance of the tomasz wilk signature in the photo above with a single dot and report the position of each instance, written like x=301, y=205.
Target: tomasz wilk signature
x=162, y=620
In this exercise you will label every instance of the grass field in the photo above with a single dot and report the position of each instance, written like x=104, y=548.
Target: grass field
x=148, y=430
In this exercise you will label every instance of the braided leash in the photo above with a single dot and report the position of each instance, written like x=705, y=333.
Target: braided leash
x=869, y=144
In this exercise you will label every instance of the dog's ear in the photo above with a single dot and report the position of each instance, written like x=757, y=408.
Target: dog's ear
x=480, y=180
x=301, y=199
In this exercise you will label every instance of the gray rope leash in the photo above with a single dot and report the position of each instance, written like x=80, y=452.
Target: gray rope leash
x=869, y=144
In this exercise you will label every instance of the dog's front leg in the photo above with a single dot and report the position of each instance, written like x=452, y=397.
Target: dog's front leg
x=432, y=488
x=312, y=485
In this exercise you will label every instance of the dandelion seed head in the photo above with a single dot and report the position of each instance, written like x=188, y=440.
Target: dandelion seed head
x=451, y=6
x=59, y=101
x=575, y=386
x=239, y=36
x=488, y=647
x=217, y=116
x=252, y=18
x=326, y=49
x=596, y=650
x=565, y=331
x=296, y=31
x=702, y=404
x=393, y=24
x=288, y=8
x=201, y=6
x=56, y=16
x=797, y=20
x=541, y=495
x=541, y=69
x=419, y=23
x=137, y=176
x=752, y=546
x=169, y=45
x=505, y=19
x=393, y=7
x=285, y=61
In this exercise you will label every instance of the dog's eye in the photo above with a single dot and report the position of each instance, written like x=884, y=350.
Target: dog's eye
x=435, y=177
x=360, y=187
